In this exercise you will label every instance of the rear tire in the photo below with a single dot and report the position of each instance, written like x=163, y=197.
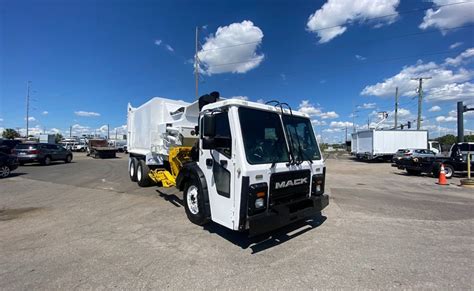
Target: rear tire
x=132, y=169
x=46, y=161
x=449, y=171
x=4, y=171
x=68, y=159
x=194, y=201
x=143, y=179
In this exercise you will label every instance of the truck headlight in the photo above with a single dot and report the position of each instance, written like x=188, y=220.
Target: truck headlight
x=259, y=203
x=317, y=185
x=258, y=196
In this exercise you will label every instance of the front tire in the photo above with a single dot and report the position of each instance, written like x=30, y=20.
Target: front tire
x=68, y=159
x=143, y=179
x=194, y=202
x=4, y=171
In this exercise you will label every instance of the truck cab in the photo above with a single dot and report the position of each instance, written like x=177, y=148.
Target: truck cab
x=253, y=166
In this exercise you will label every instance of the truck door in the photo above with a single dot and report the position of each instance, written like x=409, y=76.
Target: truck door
x=218, y=168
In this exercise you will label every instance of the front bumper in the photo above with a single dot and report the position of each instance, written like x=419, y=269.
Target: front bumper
x=282, y=215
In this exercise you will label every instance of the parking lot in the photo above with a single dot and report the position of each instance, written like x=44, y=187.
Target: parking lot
x=85, y=225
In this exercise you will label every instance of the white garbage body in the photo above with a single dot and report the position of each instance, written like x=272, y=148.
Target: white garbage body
x=159, y=124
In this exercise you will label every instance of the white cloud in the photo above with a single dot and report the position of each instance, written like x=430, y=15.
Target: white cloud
x=450, y=16
x=329, y=115
x=308, y=108
x=360, y=58
x=232, y=49
x=367, y=106
x=446, y=119
x=435, y=108
x=261, y=101
x=455, y=45
x=158, y=42
x=168, y=47
x=332, y=18
x=1, y=119
x=31, y=118
x=45, y=112
x=316, y=122
x=449, y=82
x=463, y=57
x=452, y=92
x=86, y=113
x=340, y=124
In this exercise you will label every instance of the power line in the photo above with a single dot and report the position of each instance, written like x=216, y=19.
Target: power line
x=395, y=14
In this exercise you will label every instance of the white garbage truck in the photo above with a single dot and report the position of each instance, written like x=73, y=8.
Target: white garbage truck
x=244, y=165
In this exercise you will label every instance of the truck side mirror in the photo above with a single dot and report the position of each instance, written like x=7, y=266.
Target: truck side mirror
x=209, y=124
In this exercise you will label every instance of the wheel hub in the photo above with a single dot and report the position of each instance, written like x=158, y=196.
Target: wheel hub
x=4, y=171
x=192, y=199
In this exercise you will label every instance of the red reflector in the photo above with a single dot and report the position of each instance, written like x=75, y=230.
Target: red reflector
x=33, y=152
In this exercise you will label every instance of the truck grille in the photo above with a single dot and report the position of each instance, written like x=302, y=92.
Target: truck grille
x=289, y=186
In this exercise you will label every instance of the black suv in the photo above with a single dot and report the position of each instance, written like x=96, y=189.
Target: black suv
x=7, y=145
x=8, y=163
x=43, y=153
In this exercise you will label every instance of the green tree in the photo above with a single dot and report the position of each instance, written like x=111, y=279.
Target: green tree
x=58, y=137
x=447, y=140
x=10, y=133
x=469, y=138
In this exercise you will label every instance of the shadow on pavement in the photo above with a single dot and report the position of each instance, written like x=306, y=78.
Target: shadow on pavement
x=15, y=174
x=268, y=240
x=172, y=198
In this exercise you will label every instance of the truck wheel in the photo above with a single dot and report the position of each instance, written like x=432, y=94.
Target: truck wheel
x=194, y=202
x=132, y=169
x=449, y=171
x=143, y=179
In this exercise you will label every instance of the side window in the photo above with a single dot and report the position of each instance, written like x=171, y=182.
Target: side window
x=223, y=136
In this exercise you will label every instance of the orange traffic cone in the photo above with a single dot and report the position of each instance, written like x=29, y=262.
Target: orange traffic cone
x=442, y=176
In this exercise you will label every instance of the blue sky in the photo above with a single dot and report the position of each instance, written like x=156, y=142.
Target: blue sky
x=87, y=59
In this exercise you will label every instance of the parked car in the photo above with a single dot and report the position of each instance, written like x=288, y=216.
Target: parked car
x=7, y=145
x=412, y=153
x=8, y=163
x=43, y=153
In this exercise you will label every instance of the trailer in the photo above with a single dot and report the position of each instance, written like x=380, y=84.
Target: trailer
x=383, y=144
x=244, y=165
x=100, y=149
x=454, y=163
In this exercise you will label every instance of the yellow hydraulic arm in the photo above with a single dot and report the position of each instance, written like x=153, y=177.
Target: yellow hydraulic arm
x=177, y=157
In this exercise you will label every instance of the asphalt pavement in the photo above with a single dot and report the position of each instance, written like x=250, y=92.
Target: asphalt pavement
x=84, y=225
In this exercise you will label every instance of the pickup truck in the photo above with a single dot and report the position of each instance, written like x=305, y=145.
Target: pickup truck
x=454, y=163
x=99, y=148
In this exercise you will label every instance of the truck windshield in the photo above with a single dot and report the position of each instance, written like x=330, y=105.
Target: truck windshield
x=301, y=138
x=263, y=137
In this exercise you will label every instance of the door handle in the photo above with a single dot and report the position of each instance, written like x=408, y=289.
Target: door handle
x=224, y=163
x=209, y=162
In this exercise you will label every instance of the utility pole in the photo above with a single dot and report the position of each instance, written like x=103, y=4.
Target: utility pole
x=108, y=132
x=396, y=108
x=115, y=134
x=353, y=117
x=196, y=63
x=70, y=130
x=461, y=110
x=420, y=97
x=27, y=106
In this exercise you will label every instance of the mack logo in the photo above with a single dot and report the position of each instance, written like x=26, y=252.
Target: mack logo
x=289, y=183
